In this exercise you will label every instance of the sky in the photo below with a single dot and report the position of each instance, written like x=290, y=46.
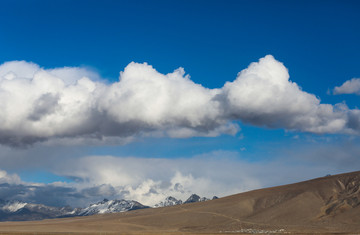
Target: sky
x=147, y=99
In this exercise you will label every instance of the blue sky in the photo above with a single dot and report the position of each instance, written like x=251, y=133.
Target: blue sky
x=316, y=41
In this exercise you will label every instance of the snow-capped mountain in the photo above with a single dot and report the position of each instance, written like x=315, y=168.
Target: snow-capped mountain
x=13, y=206
x=196, y=198
x=169, y=201
x=110, y=206
x=16, y=210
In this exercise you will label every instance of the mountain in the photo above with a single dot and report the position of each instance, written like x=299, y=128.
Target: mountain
x=196, y=198
x=324, y=205
x=110, y=206
x=169, y=201
x=17, y=211
x=22, y=211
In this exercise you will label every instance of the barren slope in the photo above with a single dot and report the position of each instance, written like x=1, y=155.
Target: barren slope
x=328, y=204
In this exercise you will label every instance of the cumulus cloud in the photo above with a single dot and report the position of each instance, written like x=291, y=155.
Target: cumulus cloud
x=349, y=87
x=263, y=95
x=74, y=103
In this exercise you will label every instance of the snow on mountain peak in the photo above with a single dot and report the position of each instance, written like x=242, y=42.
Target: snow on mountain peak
x=196, y=198
x=15, y=210
x=13, y=206
x=111, y=206
x=169, y=201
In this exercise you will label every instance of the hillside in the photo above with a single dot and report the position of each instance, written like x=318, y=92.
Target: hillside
x=325, y=205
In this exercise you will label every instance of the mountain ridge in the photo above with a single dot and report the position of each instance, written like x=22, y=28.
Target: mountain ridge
x=24, y=211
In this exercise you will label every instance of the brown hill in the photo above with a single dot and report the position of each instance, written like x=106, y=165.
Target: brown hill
x=323, y=205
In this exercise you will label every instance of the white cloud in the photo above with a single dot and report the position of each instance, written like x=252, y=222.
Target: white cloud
x=263, y=95
x=6, y=178
x=74, y=103
x=349, y=87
